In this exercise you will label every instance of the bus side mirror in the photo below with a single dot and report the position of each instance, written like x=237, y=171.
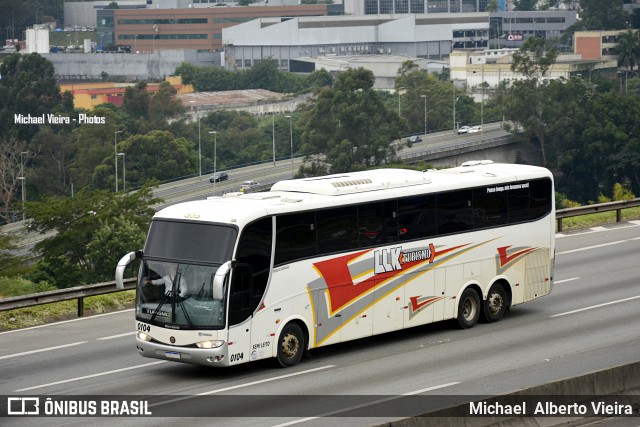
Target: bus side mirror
x=218, y=280
x=122, y=264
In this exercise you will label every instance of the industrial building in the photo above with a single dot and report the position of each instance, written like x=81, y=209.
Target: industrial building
x=411, y=36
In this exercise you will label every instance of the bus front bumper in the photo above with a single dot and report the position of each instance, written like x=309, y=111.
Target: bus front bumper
x=197, y=356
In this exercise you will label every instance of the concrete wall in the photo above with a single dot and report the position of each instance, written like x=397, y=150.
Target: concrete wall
x=140, y=66
x=616, y=381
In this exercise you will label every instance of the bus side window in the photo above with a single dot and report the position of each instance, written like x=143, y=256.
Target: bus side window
x=251, y=274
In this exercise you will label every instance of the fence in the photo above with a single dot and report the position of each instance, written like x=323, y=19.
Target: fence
x=82, y=292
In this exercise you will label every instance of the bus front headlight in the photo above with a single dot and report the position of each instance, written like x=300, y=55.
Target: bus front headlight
x=144, y=337
x=210, y=344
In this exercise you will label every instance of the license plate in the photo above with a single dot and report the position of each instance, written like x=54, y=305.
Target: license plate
x=172, y=354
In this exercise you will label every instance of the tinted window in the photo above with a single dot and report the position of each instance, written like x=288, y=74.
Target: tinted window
x=489, y=207
x=518, y=205
x=540, y=198
x=295, y=237
x=377, y=223
x=192, y=241
x=417, y=217
x=250, y=277
x=454, y=212
x=337, y=229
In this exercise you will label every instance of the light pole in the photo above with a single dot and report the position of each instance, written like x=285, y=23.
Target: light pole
x=291, y=136
x=124, y=173
x=425, y=116
x=199, y=152
x=115, y=158
x=453, y=86
x=24, y=196
x=215, y=156
x=400, y=89
x=273, y=137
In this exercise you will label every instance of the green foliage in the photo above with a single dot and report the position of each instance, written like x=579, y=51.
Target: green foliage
x=158, y=155
x=16, y=286
x=10, y=264
x=347, y=127
x=27, y=87
x=91, y=229
x=264, y=75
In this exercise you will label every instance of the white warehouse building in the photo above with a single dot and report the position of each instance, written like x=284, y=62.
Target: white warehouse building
x=423, y=36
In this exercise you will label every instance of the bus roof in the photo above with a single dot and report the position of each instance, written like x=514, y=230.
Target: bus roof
x=346, y=188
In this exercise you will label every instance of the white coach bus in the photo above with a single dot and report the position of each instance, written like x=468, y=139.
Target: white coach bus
x=323, y=260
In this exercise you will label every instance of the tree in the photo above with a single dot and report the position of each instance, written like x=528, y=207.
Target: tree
x=525, y=4
x=158, y=155
x=348, y=127
x=628, y=49
x=27, y=87
x=533, y=60
x=92, y=232
x=603, y=15
x=492, y=6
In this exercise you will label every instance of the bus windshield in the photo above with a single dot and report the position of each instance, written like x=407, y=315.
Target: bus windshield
x=180, y=294
x=175, y=284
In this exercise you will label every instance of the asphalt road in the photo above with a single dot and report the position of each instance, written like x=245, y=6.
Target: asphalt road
x=589, y=322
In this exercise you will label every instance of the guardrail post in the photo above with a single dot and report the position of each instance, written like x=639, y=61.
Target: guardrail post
x=80, y=307
x=559, y=224
x=618, y=215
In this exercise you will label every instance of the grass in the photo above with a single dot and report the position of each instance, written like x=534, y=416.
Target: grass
x=64, y=310
x=591, y=220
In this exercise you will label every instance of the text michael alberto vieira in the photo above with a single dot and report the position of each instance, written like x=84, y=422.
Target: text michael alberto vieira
x=55, y=119
x=547, y=408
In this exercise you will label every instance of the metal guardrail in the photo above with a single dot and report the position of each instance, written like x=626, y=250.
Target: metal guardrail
x=79, y=293
x=460, y=148
x=82, y=292
x=597, y=208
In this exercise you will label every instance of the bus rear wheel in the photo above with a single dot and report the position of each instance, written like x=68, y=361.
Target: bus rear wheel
x=495, y=304
x=290, y=345
x=468, y=309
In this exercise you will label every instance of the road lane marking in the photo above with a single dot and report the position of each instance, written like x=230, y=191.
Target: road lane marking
x=557, y=282
x=266, y=380
x=9, y=356
x=596, y=306
x=586, y=248
x=627, y=224
x=116, y=336
x=308, y=371
x=364, y=405
x=435, y=387
x=90, y=376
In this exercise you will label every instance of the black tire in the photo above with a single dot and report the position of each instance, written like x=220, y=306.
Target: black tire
x=291, y=345
x=468, y=309
x=496, y=303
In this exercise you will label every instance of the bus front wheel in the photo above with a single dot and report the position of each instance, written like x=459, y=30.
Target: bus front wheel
x=290, y=345
x=468, y=309
x=496, y=303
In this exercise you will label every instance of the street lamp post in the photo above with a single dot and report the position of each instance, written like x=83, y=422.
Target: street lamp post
x=115, y=150
x=24, y=196
x=199, y=152
x=425, y=116
x=23, y=179
x=273, y=137
x=291, y=136
x=454, y=104
x=215, y=156
x=124, y=173
x=400, y=89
